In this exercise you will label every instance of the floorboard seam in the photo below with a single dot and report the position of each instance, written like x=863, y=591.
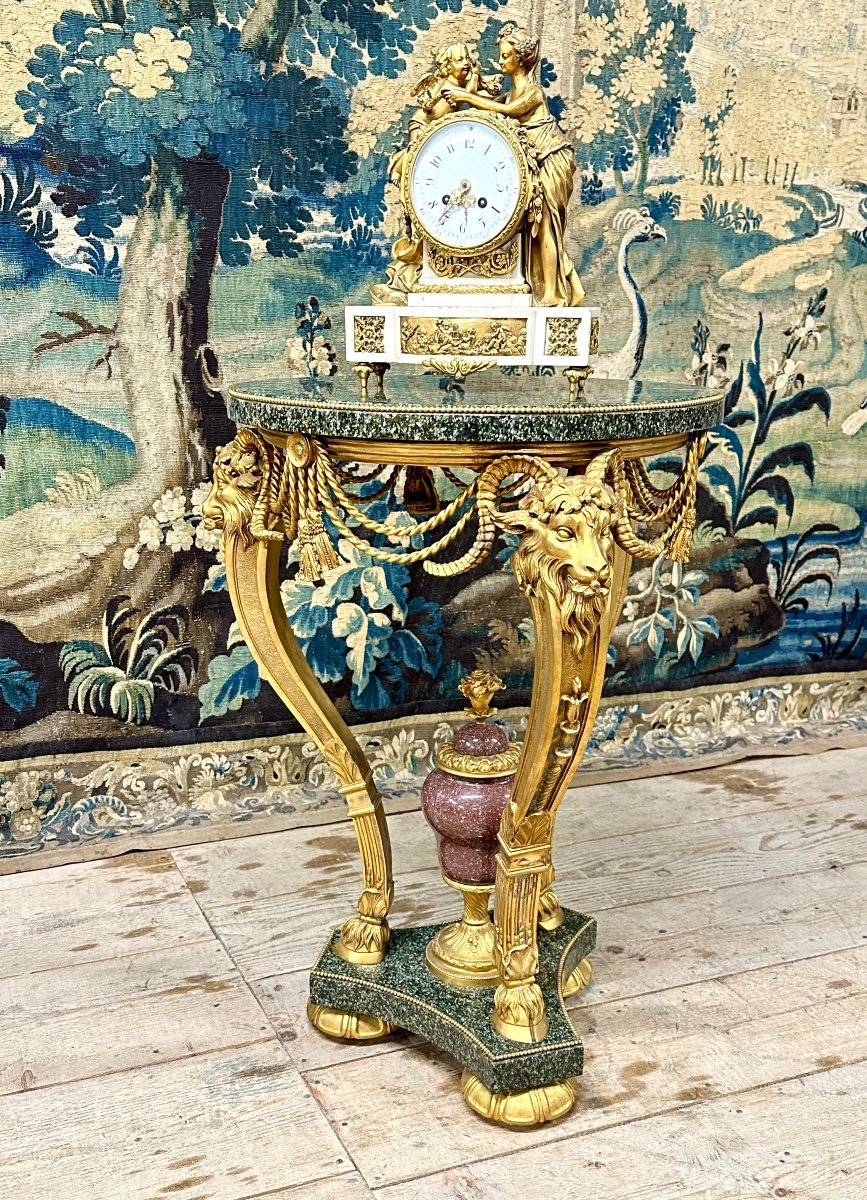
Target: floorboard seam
x=297, y=1186
x=703, y=891
x=332, y=1124
x=208, y=921
x=174, y=1058
x=795, y=806
x=89, y=962
x=589, y=1001
x=662, y=1112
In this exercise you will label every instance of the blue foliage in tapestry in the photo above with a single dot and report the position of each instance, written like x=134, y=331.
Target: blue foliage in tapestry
x=310, y=352
x=673, y=592
x=20, y=201
x=383, y=636
x=192, y=191
x=753, y=479
x=18, y=688
x=178, y=91
x=642, y=108
x=360, y=622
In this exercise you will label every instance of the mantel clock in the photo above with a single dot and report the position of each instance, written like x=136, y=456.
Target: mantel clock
x=481, y=276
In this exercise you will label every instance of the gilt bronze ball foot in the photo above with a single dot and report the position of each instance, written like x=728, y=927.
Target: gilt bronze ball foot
x=347, y=1026
x=532, y=1106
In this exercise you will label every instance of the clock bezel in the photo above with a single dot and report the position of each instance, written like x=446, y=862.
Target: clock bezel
x=507, y=129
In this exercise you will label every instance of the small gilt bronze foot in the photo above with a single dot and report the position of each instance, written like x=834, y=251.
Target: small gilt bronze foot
x=531, y=1107
x=577, y=377
x=550, y=913
x=379, y=370
x=519, y=1012
x=362, y=940
x=363, y=371
x=347, y=1026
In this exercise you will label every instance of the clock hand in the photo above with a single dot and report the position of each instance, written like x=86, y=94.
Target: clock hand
x=461, y=197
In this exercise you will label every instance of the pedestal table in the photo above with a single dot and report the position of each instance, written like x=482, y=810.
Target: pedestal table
x=568, y=477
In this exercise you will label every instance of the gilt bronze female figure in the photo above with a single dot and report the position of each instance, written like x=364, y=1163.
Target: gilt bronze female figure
x=549, y=268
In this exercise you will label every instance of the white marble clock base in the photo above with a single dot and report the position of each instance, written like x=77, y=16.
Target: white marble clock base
x=502, y=331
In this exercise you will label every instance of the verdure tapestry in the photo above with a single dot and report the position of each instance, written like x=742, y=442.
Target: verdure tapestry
x=190, y=190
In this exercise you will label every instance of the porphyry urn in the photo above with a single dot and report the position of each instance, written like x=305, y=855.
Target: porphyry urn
x=463, y=800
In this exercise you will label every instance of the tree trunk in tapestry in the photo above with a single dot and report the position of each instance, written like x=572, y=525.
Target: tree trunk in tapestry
x=555, y=23
x=174, y=136
x=163, y=321
x=161, y=343
x=200, y=122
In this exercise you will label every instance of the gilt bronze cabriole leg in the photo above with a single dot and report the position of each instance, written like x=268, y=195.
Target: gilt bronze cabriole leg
x=260, y=498
x=562, y=712
x=577, y=536
x=550, y=912
x=567, y=686
x=254, y=583
x=573, y=573
x=572, y=562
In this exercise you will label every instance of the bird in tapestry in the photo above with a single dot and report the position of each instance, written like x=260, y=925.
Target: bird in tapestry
x=637, y=225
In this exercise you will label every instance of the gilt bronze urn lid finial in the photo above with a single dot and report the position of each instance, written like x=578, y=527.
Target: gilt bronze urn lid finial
x=480, y=749
x=480, y=687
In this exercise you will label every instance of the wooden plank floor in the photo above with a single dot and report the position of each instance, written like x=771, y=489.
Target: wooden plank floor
x=155, y=1047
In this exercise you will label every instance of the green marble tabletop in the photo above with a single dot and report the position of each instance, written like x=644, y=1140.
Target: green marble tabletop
x=488, y=407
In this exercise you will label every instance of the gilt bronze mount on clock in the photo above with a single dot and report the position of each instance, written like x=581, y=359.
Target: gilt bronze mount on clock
x=481, y=276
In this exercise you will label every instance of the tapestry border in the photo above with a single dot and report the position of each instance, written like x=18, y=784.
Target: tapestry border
x=71, y=807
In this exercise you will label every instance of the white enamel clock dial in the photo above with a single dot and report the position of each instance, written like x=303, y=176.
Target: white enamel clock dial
x=465, y=185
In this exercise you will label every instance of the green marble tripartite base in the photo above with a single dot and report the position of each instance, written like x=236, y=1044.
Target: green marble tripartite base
x=402, y=991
